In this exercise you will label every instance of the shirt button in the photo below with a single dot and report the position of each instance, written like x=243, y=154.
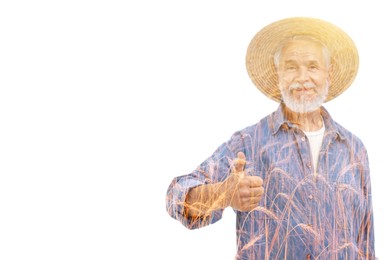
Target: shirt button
x=310, y=197
x=303, y=138
x=308, y=165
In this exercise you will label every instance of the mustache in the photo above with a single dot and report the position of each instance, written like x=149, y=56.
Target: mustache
x=306, y=85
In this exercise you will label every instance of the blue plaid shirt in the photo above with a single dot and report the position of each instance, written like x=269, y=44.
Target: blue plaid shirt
x=303, y=214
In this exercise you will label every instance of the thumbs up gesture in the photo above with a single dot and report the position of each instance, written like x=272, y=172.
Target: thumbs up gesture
x=244, y=191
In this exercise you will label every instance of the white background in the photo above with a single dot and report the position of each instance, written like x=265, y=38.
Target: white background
x=103, y=103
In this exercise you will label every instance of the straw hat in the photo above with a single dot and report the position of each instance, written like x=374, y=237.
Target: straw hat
x=261, y=50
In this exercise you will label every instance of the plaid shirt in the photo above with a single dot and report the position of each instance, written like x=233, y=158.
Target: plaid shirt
x=303, y=214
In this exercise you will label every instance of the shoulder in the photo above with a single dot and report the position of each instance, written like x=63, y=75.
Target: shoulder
x=263, y=125
x=349, y=137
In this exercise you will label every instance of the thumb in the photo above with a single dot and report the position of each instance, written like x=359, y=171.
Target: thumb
x=239, y=164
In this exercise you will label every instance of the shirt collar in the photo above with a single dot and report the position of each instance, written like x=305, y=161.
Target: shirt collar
x=279, y=121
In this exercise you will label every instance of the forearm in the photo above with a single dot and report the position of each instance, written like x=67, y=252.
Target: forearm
x=201, y=201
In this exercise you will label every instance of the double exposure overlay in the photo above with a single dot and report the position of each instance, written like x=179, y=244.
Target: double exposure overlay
x=298, y=181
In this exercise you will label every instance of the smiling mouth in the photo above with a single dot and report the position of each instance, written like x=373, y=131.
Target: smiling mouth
x=303, y=89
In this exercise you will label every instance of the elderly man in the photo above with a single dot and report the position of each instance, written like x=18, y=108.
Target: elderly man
x=298, y=181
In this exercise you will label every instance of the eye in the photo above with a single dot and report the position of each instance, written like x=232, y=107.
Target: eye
x=291, y=67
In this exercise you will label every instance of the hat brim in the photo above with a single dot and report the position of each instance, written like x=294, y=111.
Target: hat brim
x=261, y=50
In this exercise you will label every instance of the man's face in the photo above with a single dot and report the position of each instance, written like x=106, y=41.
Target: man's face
x=303, y=75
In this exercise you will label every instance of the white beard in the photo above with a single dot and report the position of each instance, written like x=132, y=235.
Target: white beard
x=302, y=105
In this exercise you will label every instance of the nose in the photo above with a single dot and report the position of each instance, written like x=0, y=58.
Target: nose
x=303, y=75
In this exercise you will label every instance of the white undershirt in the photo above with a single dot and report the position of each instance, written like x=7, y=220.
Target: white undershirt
x=315, y=140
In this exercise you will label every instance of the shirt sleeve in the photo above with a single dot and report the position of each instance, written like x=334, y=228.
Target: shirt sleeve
x=366, y=240
x=214, y=169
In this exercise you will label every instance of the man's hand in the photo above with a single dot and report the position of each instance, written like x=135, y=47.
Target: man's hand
x=245, y=191
x=239, y=191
